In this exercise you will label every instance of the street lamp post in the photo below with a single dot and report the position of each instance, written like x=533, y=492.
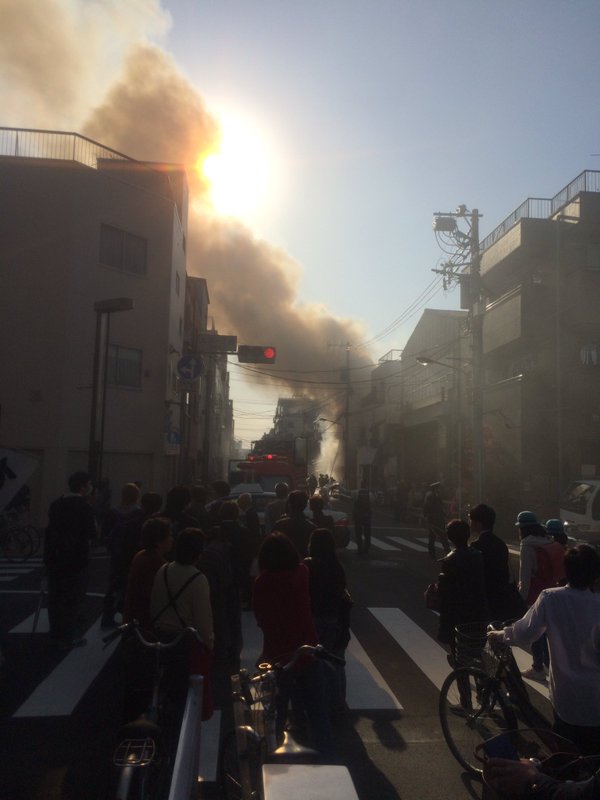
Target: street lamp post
x=103, y=310
x=426, y=361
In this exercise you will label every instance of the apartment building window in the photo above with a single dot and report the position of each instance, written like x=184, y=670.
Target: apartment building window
x=124, y=367
x=123, y=250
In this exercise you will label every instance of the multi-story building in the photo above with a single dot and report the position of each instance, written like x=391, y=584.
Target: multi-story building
x=540, y=271
x=540, y=279
x=80, y=223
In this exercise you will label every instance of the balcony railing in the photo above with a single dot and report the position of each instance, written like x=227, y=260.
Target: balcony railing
x=61, y=145
x=543, y=207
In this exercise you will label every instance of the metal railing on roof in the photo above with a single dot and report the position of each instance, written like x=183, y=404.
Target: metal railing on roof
x=58, y=145
x=543, y=207
x=532, y=208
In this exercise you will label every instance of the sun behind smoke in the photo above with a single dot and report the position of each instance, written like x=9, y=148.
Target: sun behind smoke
x=238, y=172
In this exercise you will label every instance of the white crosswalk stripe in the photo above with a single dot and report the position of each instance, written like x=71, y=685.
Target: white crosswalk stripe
x=64, y=687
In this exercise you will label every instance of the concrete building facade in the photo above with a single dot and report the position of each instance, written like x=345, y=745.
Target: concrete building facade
x=80, y=223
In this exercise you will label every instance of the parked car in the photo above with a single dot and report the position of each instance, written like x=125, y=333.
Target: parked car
x=580, y=509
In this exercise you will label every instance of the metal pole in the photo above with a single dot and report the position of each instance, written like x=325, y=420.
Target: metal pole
x=558, y=364
x=477, y=339
x=104, y=384
x=93, y=444
x=459, y=439
x=347, y=421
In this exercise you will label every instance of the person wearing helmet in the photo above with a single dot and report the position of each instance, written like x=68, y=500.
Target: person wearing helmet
x=556, y=529
x=276, y=508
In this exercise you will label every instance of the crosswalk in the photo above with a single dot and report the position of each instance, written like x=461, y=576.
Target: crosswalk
x=367, y=689
x=65, y=686
x=11, y=570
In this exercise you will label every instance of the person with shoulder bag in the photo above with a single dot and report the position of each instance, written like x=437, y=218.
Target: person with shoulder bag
x=180, y=599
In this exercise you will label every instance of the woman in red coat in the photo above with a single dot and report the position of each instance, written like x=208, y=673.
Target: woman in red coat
x=282, y=608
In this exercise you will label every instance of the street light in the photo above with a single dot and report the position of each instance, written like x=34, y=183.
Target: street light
x=103, y=310
x=426, y=361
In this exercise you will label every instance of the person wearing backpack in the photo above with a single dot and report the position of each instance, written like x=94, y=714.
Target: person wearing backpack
x=541, y=567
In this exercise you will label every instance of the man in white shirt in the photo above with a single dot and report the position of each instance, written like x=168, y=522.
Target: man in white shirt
x=570, y=616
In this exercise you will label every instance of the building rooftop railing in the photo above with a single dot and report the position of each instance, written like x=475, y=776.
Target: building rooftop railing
x=61, y=145
x=544, y=207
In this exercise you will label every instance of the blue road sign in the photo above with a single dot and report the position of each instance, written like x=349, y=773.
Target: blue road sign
x=190, y=367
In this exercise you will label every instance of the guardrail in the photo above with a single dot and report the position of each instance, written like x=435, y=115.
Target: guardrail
x=544, y=207
x=185, y=771
x=60, y=145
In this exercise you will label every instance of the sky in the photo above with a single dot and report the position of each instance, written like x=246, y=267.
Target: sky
x=348, y=124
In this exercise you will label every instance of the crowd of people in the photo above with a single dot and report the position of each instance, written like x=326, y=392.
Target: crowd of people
x=551, y=609
x=188, y=562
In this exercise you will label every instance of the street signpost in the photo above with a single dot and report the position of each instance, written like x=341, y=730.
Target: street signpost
x=215, y=343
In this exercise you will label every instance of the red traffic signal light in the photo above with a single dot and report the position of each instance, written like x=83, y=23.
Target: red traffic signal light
x=256, y=354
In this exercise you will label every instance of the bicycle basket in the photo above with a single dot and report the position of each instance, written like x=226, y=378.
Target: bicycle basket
x=469, y=644
x=558, y=757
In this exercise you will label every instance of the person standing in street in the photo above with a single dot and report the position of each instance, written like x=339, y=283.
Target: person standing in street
x=461, y=585
x=295, y=524
x=70, y=529
x=361, y=516
x=434, y=513
x=570, y=616
x=504, y=600
x=276, y=509
x=541, y=566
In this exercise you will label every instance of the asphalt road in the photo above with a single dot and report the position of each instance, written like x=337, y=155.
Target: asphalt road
x=60, y=711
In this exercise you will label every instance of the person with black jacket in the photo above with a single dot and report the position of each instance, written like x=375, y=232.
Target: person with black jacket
x=504, y=600
x=71, y=527
x=461, y=584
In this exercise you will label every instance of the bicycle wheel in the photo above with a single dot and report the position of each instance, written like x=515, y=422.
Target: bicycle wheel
x=18, y=545
x=471, y=711
x=240, y=766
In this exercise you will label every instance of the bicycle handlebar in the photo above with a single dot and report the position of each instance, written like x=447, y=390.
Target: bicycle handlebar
x=306, y=649
x=134, y=627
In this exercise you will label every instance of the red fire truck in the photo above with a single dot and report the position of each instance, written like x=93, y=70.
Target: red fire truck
x=271, y=462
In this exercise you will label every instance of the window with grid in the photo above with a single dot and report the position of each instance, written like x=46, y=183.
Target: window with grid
x=123, y=250
x=124, y=367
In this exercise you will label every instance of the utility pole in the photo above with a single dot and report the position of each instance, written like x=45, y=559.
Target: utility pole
x=463, y=267
x=347, y=420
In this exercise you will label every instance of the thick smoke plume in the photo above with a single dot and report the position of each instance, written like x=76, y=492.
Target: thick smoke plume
x=56, y=55
x=153, y=113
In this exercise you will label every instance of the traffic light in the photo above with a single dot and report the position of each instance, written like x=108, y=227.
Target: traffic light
x=256, y=354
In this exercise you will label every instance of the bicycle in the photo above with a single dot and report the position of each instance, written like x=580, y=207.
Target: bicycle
x=16, y=540
x=254, y=740
x=550, y=753
x=144, y=755
x=483, y=696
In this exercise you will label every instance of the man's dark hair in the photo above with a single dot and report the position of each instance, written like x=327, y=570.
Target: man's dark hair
x=582, y=566
x=277, y=553
x=189, y=545
x=77, y=481
x=281, y=490
x=297, y=501
x=228, y=511
x=177, y=499
x=198, y=493
x=321, y=544
x=316, y=503
x=155, y=531
x=458, y=531
x=221, y=488
x=484, y=514
x=150, y=503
